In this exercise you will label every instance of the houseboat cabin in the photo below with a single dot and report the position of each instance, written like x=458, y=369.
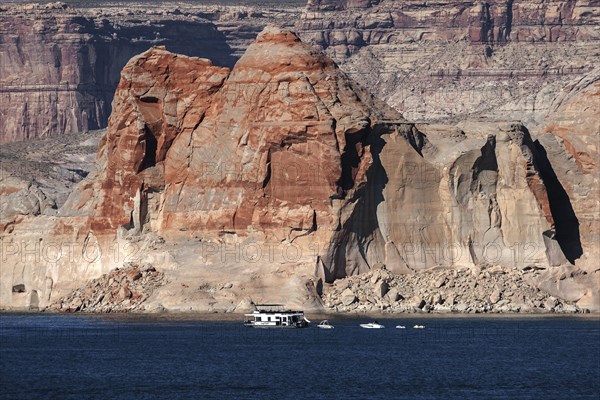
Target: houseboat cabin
x=272, y=318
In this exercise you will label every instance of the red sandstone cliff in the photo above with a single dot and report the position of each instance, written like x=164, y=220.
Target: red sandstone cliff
x=281, y=173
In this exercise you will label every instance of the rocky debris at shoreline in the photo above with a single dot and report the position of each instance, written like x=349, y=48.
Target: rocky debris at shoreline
x=489, y=290
x=121, y=290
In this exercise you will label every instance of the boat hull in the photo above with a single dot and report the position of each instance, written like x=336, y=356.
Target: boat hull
x=371, y=326
x=274, y=326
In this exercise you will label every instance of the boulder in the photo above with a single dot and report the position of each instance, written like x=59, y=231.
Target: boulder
x=495, y=296
x=417, y=302
x=437, y=299
x=124, y=293
x=348, y=297
x=245, y=305
x=148, y=268
x=461, y=307
x=550, y=303
x=134, y=275
x=392, y=295
x=381, y=288
x=569, y=308
x=439, y=282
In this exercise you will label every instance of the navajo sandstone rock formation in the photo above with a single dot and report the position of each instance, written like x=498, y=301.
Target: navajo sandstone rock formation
x=264, y=181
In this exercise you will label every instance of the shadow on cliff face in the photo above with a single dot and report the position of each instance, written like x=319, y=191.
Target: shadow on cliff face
x=363, y=221
x=565, y=220
x=485, y=169
x=350, y=160
x=351, y=244
x=192, y=39
x=101, y=59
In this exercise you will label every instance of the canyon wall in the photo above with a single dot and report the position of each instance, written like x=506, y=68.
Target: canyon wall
x=570, y=135
x=244, y=180
x=437, y=60
x=267, y=181
x=60, y=66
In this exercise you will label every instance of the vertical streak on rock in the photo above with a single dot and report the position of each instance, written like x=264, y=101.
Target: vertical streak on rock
x=487, y=24
x=509, y=18
x=268, y=173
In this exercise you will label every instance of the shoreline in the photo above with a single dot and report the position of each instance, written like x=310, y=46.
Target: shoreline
x=313, y=317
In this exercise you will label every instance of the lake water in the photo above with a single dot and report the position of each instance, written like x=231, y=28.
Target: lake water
x=94, y=357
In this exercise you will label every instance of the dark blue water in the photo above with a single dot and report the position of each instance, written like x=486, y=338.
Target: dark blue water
x=75, y=357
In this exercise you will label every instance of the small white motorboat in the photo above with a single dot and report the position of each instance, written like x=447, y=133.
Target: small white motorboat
x=372, y=325
x=419, y=326
x=400, y=327
x=325, y=325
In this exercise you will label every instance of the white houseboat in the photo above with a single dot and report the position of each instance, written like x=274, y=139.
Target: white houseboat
x=268, y=316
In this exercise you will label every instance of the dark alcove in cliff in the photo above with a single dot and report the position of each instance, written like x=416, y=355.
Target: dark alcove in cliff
x=150, y=151
x=101, y=58
x=485, y=168
x=565, y=220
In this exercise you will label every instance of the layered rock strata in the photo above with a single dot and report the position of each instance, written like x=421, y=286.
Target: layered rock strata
x=60, y=65
x=268, y=180
x=498, y=59
x=37, y=176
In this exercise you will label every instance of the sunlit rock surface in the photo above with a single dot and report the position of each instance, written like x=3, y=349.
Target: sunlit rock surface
x=268, y=180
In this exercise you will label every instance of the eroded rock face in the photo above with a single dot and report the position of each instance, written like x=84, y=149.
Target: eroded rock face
x=160, y=96
x=330, y=5
x=276, y=137
x=202, y=165
x=571, y=136
x=479, y=198
x=36, y=177
x=72, y=58
x=221, y=148
x=432, y=60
